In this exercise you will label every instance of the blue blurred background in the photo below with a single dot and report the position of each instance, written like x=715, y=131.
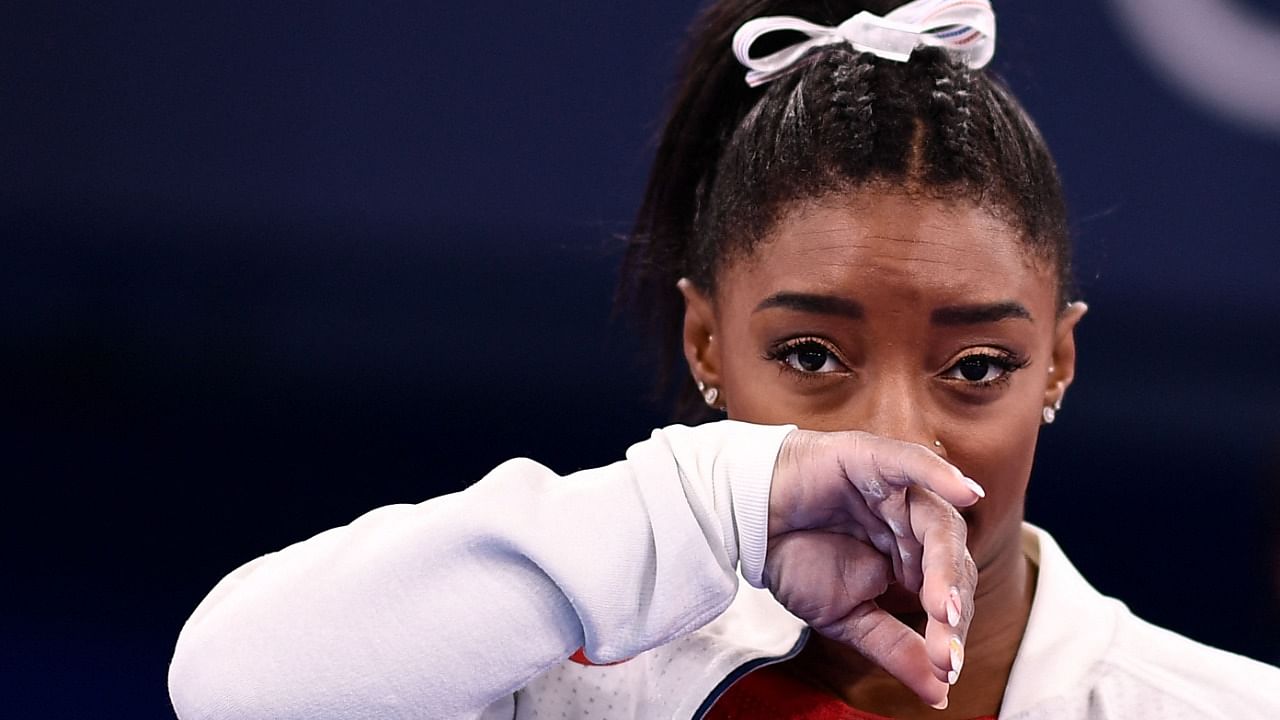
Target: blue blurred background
x=264, y=266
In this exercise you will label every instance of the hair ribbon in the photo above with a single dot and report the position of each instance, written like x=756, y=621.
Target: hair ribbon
x=965, y=29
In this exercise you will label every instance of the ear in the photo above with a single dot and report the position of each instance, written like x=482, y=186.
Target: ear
x=1063, y=368
x=701, y=350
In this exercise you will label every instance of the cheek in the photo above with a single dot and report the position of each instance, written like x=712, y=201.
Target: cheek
x=998, y=454
x=751, y=386
x=757, y=391
x=997, y=447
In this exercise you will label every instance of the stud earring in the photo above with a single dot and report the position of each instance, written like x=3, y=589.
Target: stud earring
x=709, y=394
x=1049, y=414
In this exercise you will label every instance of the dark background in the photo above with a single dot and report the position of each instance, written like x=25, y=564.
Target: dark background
x=265, y=266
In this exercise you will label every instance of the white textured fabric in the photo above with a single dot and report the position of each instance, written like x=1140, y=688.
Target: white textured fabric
x=673, y=680
x=466, y=606
x=444, y=609
x=1084, y=656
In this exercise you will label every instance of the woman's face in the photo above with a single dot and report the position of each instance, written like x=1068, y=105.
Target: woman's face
x=900, y=315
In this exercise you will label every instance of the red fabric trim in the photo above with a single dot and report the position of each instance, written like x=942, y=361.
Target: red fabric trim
x=580, y=657
x=771, y=693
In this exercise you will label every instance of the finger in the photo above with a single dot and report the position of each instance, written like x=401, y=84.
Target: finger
x=855, y=469
x=950, y=580
x=945, y=647
x=905, y=551
x=811, y=491
x=882, y=469
x=885, y=525
x=902, y=464
x=830, y=581
x=886, y=641
x=880, y=538
x=820, y=576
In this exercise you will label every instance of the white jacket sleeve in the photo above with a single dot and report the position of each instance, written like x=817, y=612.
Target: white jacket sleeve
x=437, y=610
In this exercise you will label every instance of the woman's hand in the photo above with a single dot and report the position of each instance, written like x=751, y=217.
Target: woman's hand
x=851, y=512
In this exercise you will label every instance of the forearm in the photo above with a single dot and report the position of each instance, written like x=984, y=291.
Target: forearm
x=437, y=609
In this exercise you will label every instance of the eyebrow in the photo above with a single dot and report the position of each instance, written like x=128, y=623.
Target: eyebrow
x=811, y=303
x=979, y=314
x=951, y=315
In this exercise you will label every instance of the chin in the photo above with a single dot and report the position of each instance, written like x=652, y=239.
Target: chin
x=977, y=532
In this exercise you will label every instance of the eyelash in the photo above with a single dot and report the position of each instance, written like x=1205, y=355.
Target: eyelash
x=1008, y=363
x=778, y=354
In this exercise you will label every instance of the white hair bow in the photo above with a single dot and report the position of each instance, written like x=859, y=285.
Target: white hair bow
x=966, y=29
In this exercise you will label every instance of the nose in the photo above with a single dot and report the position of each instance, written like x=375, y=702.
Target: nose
x=895, y=406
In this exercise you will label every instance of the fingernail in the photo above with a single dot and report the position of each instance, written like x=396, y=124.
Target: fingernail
x=957, y=655
x=954, y=608
x=975, y=487
x=940, y=706
x=952, y=677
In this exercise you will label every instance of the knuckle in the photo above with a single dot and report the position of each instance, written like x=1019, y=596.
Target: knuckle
x=855, y=440
x=969, y=568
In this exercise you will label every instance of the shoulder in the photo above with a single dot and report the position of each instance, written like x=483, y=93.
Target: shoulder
x=1086, y=655
x=1158, y=673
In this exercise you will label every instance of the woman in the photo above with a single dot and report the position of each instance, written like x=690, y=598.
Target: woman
x=866, y=242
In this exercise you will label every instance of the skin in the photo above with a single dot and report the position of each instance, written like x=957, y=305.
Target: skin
x=845, y=318
x=849, y=514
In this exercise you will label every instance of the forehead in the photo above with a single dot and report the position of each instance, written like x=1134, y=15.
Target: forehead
x=905, y=247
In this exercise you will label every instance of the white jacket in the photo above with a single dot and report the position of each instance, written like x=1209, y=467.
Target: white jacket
x=468, y=605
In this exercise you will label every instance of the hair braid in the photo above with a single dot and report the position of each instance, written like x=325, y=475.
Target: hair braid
x=849, y=120
x=950, y=86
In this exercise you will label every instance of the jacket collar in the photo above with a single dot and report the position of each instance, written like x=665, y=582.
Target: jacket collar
x=1070, y=628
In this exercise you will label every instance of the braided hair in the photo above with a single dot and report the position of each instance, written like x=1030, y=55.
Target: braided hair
x=731, y=158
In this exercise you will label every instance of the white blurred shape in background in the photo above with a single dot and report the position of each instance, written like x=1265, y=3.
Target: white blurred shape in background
x=1223, y=55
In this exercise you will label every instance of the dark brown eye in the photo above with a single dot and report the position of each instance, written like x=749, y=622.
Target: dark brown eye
x=975, y=368
x=984, y=368
x=808, y=356
x=811, y=358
